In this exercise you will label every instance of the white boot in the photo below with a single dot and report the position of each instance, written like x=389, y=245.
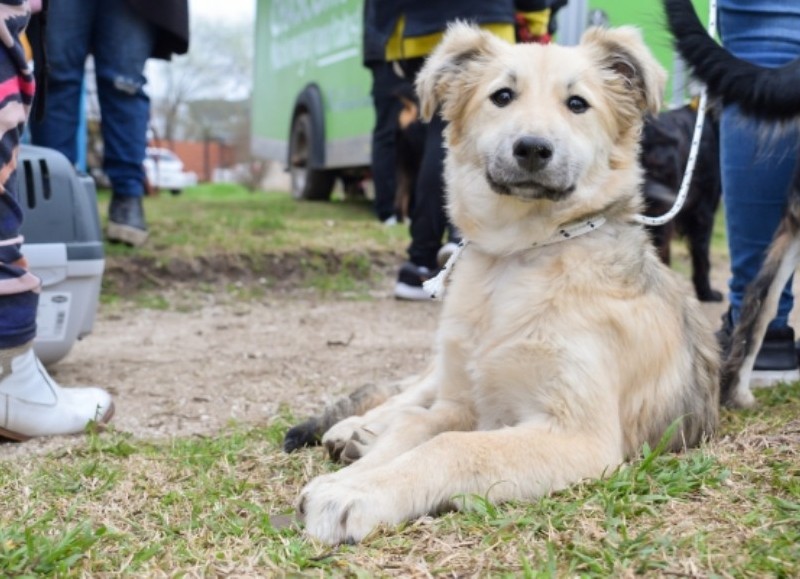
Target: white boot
x=32, y=404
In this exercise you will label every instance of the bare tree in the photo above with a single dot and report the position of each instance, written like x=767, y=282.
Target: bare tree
x=218, y=66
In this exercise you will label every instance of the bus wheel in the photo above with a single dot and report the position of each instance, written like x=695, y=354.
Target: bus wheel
x=307, y=183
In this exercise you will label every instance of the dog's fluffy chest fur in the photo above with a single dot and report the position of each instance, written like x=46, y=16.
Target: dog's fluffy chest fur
x=546, y=312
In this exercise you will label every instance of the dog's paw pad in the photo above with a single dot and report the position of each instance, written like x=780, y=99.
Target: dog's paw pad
x=351, y=453
x=358, y=445
x=335, y=448
x=335, y=439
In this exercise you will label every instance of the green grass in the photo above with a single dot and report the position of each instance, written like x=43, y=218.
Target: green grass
x=681, y=261
x=214, y=219
x=719, y=242
x=222, y=236
x=223, y=505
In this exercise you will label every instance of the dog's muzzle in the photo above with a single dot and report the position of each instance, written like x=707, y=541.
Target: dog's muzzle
x=529, y=168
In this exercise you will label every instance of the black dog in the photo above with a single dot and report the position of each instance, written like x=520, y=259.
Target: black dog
x=769, y=95
x=665, y=151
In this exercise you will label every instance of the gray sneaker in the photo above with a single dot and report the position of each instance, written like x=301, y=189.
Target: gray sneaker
x=126, y=222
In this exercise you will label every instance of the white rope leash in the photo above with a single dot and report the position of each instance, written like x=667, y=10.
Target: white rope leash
x=437, y=285
x=696, y=138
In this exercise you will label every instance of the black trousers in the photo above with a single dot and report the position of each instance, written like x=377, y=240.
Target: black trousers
x=385, y=86
x=429, y=220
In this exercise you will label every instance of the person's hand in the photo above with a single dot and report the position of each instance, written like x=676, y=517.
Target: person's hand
x=36, y=6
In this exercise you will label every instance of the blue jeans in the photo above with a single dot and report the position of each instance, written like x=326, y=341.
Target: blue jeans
x=756, y=170
x=121, y=41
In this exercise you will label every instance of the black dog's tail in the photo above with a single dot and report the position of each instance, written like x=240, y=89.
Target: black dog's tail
x=761, y=303
x=771, y=94
x=309, y=433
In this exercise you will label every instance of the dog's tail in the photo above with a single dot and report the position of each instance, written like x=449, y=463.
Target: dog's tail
x=771, y=94
x=309, y=432
x=760, y=304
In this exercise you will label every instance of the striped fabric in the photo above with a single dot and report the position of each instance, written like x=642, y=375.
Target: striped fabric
x=18, y=288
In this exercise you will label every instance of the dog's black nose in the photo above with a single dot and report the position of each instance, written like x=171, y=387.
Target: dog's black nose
x=533, y=153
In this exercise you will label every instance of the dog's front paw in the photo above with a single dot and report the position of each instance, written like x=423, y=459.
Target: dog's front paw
x=348, y=440
x=358, y=445
x=341, y=511
x=336, y=437
x=709, y=295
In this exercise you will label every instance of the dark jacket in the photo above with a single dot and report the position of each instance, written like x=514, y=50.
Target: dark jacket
x=425, y=17
x=171, y=18
x=379, y=22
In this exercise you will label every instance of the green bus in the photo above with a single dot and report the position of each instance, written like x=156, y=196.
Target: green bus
x=312, y=109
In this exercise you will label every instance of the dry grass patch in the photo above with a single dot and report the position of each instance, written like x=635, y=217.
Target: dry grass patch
x=223, y=505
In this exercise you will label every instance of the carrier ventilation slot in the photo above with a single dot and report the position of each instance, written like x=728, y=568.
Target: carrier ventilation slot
x=44, y=171
x=30, y=188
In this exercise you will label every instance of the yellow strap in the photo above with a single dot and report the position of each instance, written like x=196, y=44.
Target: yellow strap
x=537, y=21
x=400, y=48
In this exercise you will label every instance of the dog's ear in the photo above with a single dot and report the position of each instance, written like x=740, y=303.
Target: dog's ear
x=443, y=78
x=623, y=53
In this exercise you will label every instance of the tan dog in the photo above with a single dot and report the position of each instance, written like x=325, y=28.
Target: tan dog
x=556, y=358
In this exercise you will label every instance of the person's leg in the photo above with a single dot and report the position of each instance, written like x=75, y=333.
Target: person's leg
x=756, y=170
x=755, y=180
x=385, y=84
x=428, y=218
x=67, y=46
x=125, y=112
x=19, y=290
x=31, y=403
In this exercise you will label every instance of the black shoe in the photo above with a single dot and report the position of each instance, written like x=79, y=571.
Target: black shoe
x=776, y=361
x=410, y=280
x=126, y=222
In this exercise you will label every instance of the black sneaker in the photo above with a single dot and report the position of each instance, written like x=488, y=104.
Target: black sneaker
x=777, y=359
x=126, y=222
x=410, y=280
x=775, y=362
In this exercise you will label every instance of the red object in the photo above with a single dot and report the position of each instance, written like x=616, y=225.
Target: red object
x=524, y=33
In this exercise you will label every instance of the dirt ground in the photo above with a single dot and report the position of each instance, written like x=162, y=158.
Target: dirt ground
x=188, y=373
x=191, y=373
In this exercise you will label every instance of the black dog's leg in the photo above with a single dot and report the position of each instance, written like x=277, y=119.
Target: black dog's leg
x=698, y=234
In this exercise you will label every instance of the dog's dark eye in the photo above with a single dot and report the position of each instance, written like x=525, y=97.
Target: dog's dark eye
x=577, y=104
x=503, y=97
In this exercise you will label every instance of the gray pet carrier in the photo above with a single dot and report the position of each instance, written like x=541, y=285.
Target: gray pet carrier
x=63, y=245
